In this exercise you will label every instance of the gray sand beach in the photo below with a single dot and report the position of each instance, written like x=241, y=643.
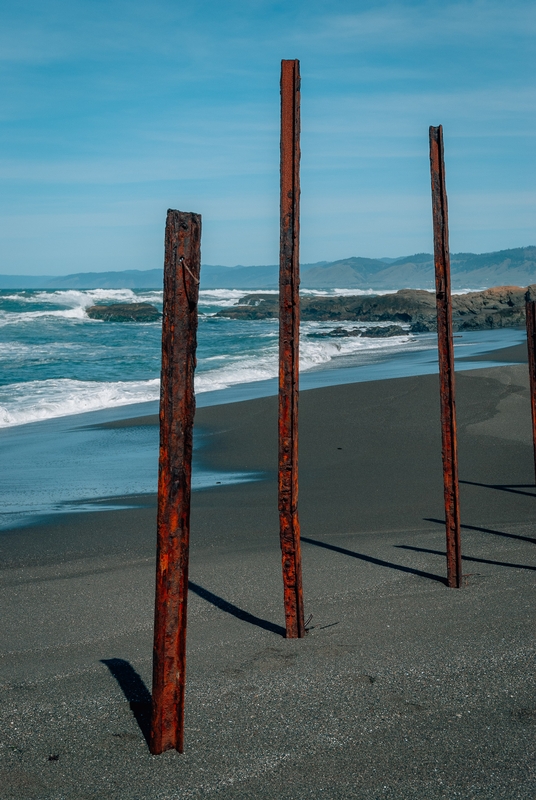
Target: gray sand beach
x=402, y=688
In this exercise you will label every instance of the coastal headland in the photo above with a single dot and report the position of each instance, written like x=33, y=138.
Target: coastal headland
x=498, y=307
x=402, y=687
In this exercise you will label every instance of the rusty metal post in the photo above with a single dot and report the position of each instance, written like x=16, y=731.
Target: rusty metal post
x=177, y=406
x=446, y=358
x=289, y=340
x=530, y=308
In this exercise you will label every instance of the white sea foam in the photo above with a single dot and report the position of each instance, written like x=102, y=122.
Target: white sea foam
x=75, y=302
x=15, y=350
x=13, y=318
x=227, y=297
x=468, y=291
x=21, y=403
x=11, y=352
x=36, y=400
x=263, y=363
x=317, y=351
x=72, y=297
x=345, y=292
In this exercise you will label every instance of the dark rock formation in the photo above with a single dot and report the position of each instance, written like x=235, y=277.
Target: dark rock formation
x=376, y=332
x=500, y=307
x=423, y=327
x=125, y=312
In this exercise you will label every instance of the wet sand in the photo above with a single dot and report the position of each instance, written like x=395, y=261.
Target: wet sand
x=402, y=688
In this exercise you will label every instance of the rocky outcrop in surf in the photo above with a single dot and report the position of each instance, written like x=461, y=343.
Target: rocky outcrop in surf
x=376, y=332
x=499, y=307
x=124, y=312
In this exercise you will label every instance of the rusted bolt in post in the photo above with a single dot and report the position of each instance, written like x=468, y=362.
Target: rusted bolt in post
x=530, y=308
x=289, y=340
x=446, y=358
x=177, y=406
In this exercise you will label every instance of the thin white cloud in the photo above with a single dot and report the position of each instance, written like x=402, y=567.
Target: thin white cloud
x=400, y=24
x=178, y=104
x=399, y=114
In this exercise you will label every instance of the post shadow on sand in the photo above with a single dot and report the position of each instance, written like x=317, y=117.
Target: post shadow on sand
x=486, y=530
x=132, y=685
x=235, y=611
x=515, y=488
x=378, y=561
x=135, y=691
x=464, y=558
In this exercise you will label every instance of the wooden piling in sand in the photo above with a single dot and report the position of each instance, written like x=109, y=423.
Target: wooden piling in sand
x=289, y=342
x=446, y=358
x=177, y=407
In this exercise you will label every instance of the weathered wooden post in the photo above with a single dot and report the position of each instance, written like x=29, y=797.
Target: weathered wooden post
x=446, y=358
x=289, y=340
x=530, y=308
x=177, y=406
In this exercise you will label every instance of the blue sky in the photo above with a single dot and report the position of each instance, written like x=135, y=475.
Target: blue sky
x=113, y=111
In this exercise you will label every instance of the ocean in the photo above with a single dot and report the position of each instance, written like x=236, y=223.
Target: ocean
x=63, y=375
x=56, y=361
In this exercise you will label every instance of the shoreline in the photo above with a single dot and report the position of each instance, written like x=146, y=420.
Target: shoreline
x=98, y=459
x=376, y=364
x=513, y=354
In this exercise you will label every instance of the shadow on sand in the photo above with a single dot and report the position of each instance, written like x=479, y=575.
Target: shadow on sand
x=135, y=691
x=465, y=558
x=237, y=612
x=486, y=530
x=378, y=561
x=515, y=488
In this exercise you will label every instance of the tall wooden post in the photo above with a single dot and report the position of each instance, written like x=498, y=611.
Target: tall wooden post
x=530, y=308
x=446, y=358
x=177, y=406
x=289, y=340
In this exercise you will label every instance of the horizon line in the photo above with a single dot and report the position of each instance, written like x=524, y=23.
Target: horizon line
x=385, y=259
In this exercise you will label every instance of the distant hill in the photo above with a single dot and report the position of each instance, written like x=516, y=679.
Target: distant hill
x=515, y=267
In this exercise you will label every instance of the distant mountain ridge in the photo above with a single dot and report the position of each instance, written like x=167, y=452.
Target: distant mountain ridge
x=468, y=271
x=516, y=267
